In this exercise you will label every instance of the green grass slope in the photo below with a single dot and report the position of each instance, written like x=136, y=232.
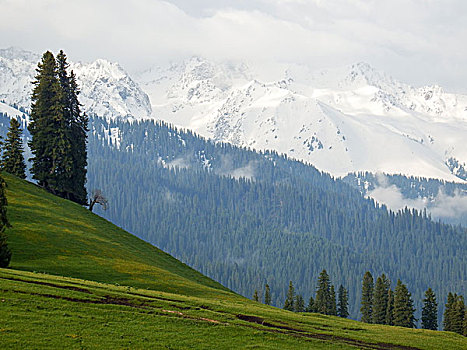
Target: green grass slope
x=58, y=237
x=97, y=286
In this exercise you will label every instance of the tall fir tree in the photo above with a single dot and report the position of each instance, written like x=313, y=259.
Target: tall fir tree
x=430, y=311
x=311, y=305
x=389, y=320
x=449, y=312
x=403, y=307
x=46, y=125
x=58, y=131
x=343, y=303
x=332, y=301
x=12, y=156
x=458, y=314
x=290, y=300
x=299, y=305
x=380, y=299
x=5, y=252
x=267, y=295
x=255, y=295
x=464, y=327
x=367, y=298
x=323, y=294
x=77, y=128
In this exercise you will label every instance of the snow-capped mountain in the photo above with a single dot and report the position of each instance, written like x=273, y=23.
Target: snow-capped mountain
x=343, y=120
x=106, y=89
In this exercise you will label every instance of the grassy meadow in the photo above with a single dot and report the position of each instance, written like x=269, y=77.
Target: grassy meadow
x=77, y=281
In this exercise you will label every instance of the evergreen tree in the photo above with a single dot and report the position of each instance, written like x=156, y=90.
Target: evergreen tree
x=332, y=302
x=464, y=331
x=12, y=156
x=290, y=300
x=267, y=295
x=77, y=127
x=430, y=311
x=52, y=162
x=449, y=312
x=323, y=294
x=299, y=305
x=458, y=315
x=5, y=253
x=389, y=320
x=255, y=296
x=311, y=305
x=367, y=298
x=58, y=130
x=343, y=304
x=380, y=299
x=403, y=307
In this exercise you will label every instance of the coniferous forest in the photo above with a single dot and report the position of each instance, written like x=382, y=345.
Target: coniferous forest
x=247, y=219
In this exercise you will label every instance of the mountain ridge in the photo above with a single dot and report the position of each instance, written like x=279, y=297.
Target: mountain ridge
x=343, y=120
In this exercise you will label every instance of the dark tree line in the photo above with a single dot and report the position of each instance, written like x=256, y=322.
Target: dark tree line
x=59, y=130
x=455, y=314
x=325, y=302
x=379, y=304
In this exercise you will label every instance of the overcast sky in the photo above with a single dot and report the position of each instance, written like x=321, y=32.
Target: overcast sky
x=416, y=41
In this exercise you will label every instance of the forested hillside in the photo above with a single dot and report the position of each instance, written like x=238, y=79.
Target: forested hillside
x=446, y=200
x=246, y=219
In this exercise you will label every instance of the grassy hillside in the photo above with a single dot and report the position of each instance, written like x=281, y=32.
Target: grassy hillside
x=58, y=237
x=127, y=294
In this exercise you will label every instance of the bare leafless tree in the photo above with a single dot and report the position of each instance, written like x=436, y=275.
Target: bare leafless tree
x=98, y=197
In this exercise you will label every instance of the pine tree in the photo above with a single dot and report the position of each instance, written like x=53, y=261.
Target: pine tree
x=389, y=320
x=343, y=304
x=323, y=294
x=255, y=296
x=267, y=295
x=458, y=315
x=52, y=162
x=290, y=300
x=77, y=127
x=367, y=298
x=58, y=130
x=12, y=156
x=311, y=305
x=403, y=307
x=430, y=311
x=5, y=253
x=464, y=330
x=332, y=302
x=380, y=299
x=448, y=312
x=299, y=305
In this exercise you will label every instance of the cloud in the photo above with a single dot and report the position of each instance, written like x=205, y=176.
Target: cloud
x=415, y=40
x=227, y=168
x=442, y=206
x=180, y=163
x=248, y=172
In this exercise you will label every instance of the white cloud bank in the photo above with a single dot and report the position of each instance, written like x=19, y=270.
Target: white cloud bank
x=442, y=206
x=418, y=41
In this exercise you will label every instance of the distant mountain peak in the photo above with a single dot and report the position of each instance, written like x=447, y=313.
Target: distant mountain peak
x=18, y=53
x=348, y=119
